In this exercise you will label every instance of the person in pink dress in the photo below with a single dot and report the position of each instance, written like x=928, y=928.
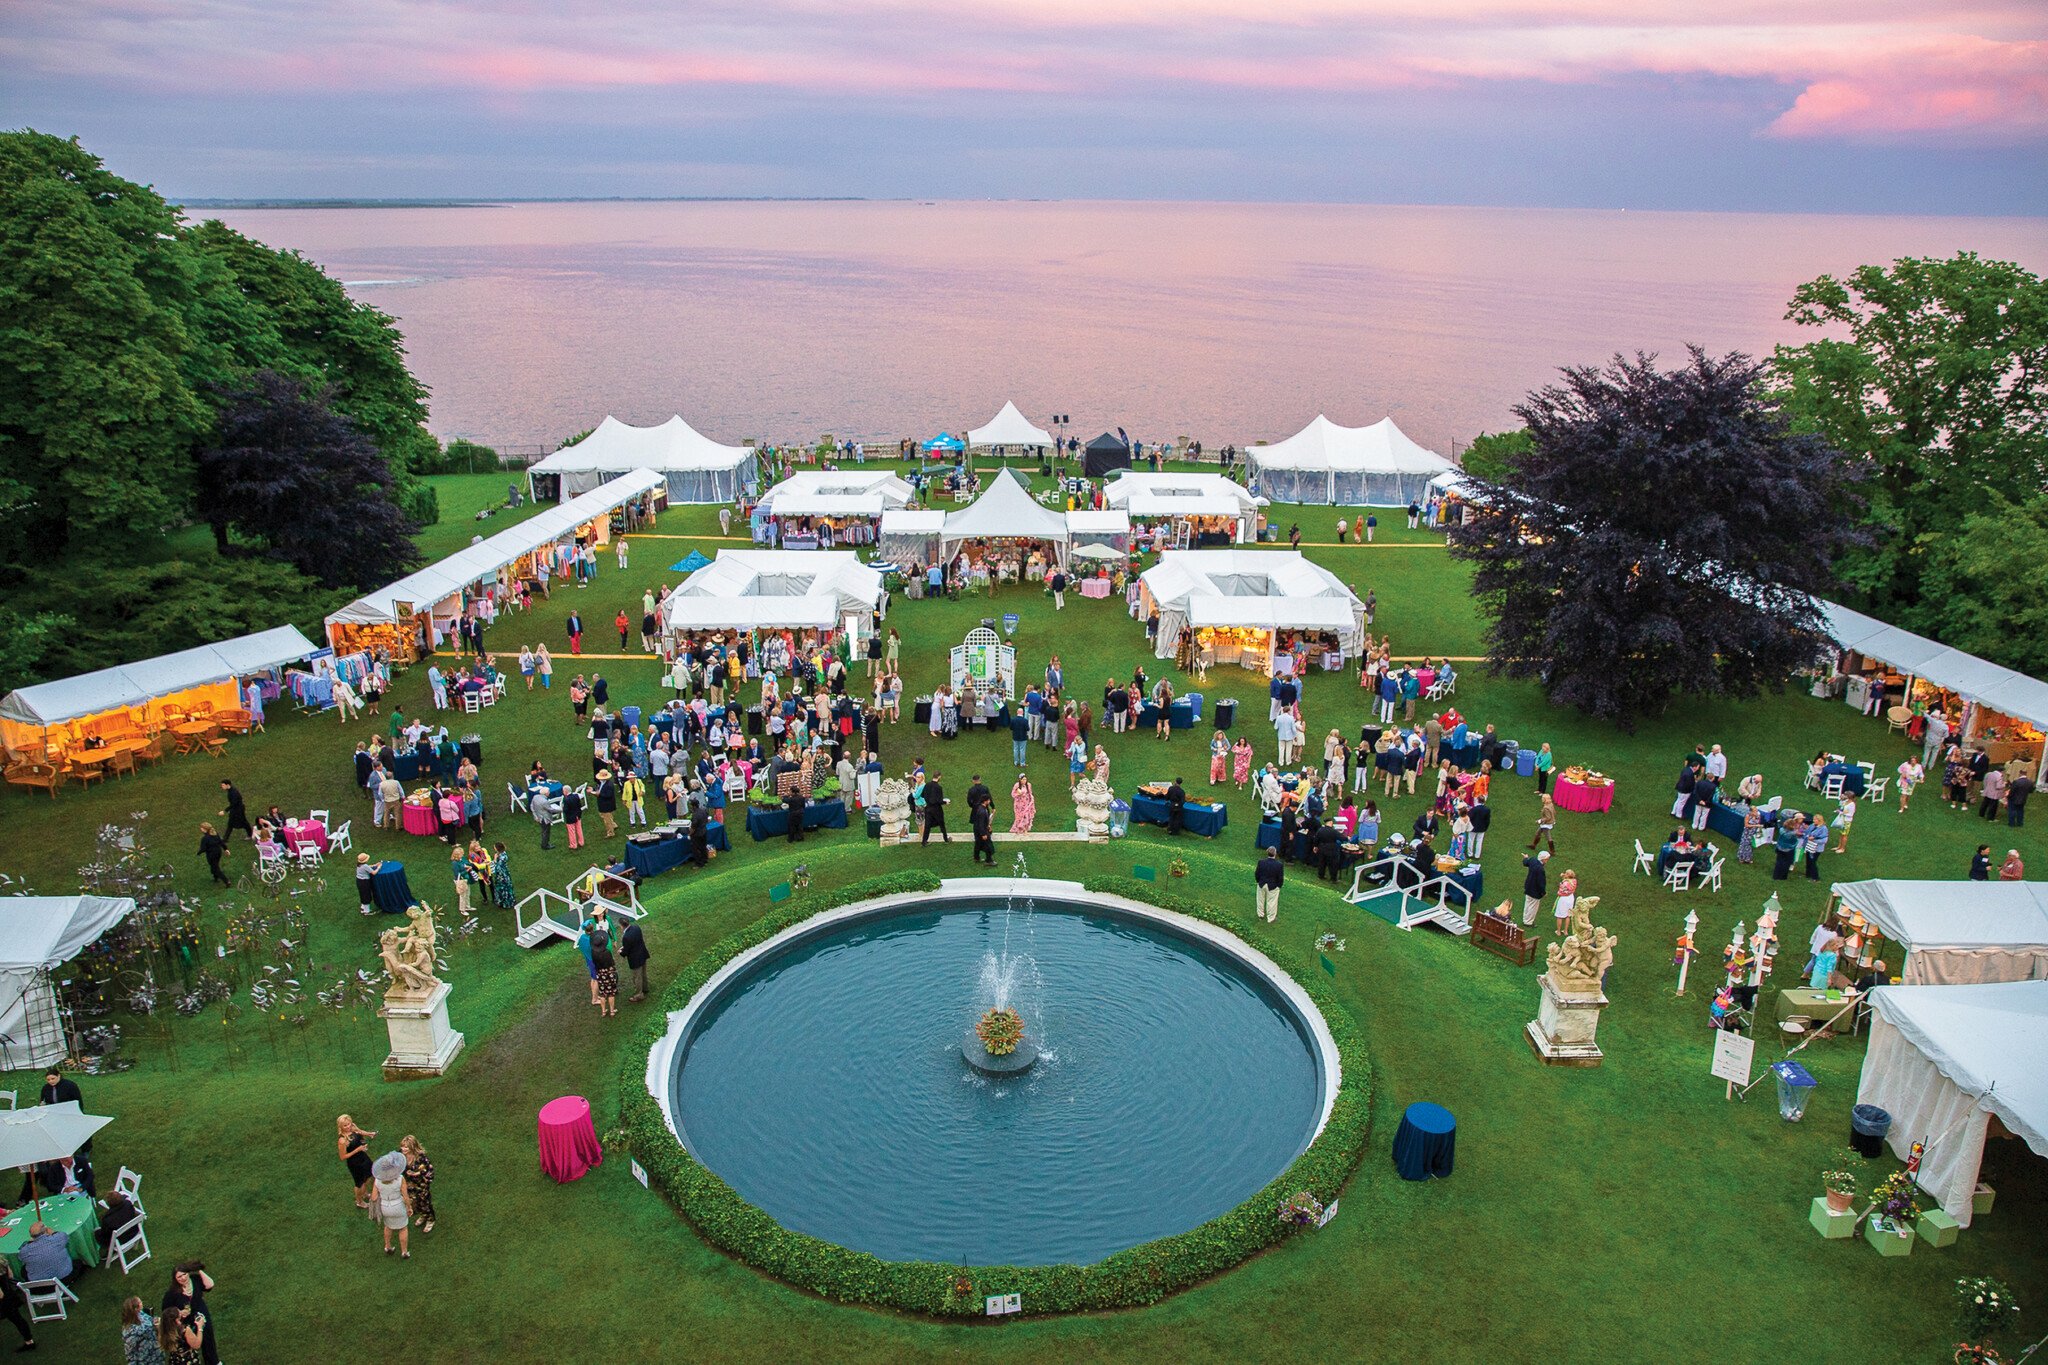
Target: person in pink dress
x=1219, y=758
x=1241, y=766
x=1023, y=805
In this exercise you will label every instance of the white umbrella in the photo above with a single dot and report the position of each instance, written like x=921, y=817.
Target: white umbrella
x=48, y=1132
x=1098, y=552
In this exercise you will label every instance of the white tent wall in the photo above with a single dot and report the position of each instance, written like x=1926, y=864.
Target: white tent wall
x=37, y=935
x=1006, y=511
x=1958, y=933
x=696, y=468
x=1324, y=463
x=1900, y=1079
x=25, y=993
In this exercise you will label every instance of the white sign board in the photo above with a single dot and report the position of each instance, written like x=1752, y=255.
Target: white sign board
x=1733, y=1053
x=640, y=1174
x=1000, y=1304
x=1328, y=1213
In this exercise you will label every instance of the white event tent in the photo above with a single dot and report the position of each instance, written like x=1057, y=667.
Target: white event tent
x=697, y=468
x=1010, y=428
x=837, y=493
x=38, y=934
x=1958, y=933
x=910, y=537
x=1943, y=1061
x=27, y=714
x=1186, y=495
x=1376, y=466
x=1006, y=511
x=1269, y=592
x=438, y=587
x=765, y=589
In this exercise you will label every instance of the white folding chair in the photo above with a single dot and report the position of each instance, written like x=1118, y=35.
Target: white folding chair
x=1869, y=771
x=1712, y=881
x=515, y=802
x=309, y=855
x=487, y=696
x=1645, y=863
x=1679, y=878
x=1874, y=789
x=321, y=815
x=1831, y=786
x=130, y=1247
x=471, y=703
x=46, y=1299
x=341, y=841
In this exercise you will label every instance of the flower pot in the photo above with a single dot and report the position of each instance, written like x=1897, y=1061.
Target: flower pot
x=1840, y=1202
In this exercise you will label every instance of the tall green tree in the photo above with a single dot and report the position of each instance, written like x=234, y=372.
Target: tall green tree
x=1934, y=375
x=1982, y=584
x=1491, y=452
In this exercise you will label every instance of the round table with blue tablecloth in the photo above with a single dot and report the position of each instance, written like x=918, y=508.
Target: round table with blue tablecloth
x=1426, y=1146
x=390, y=889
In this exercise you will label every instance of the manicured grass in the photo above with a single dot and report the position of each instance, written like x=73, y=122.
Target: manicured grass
x=1623, y=1213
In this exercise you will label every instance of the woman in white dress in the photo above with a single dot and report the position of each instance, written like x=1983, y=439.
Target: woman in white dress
x=391, y=1202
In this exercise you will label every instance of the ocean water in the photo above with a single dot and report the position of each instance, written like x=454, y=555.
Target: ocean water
x=1226, y=322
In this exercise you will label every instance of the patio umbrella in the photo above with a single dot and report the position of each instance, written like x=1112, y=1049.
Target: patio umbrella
x=48, y=1132
x=1098, y=552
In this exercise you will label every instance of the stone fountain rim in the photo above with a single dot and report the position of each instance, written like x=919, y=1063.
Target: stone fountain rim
x=1329, y=1069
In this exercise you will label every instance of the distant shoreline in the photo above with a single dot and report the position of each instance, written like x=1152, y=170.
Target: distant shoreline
x=503, y=202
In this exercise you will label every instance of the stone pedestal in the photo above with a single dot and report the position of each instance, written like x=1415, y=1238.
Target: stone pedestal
x=422, y=1043
x=894, y=803
x=1562, y=1031
x=1091, y=810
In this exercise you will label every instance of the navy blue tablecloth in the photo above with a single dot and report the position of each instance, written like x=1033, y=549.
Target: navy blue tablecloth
x=651, y=860
x=1269, y=837
x=1426, y=1146
x=1851, y=775
x=389, y=888
x=1207, y=821
x=1180, y=714
x=410, y=767
x=774, y=823
x=1473, y=880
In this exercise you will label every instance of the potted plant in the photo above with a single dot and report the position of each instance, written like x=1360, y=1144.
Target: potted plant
x=1895, y=1203
x=1984, y=1308
x=1300, y=1210
x=1000, y=1030
x=1840, y=1185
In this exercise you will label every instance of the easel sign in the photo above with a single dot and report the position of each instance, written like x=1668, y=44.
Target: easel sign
x=1734, y=1053
x=1328, y=1213
x=1000, y=1305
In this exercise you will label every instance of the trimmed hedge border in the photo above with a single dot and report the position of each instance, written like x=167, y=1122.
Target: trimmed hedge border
x=1144, y=1274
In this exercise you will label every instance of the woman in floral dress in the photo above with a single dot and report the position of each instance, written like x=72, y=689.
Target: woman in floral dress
x=1752, y=826
x=502, y=894
x=1219, y=757
x=419, y=1181
x=1024, y=804
x=1241, y=762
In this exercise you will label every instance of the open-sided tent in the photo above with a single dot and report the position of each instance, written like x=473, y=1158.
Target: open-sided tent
x=1005, y=511
x=697, y=468
x=1110, y=529
x=1239, y=597
x=911, y=537
x=1958, y=932
x=384, y=617
x=1375, y=466
x=1010, y=428
x=757, y=589
x=1105, y=454
x=1943, y=1061
x=1198, y=496
x=851, y=500
x=39, y=934
x=59, y=713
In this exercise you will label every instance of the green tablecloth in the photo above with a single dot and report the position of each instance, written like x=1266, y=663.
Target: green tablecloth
x=1803, y=1003
x=74, y=1215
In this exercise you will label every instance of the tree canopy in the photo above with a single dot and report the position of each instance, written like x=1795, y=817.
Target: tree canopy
x=1660, y=537
x=1491, y=452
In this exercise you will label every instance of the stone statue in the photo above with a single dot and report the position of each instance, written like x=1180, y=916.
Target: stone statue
x=894, y=801
x=409, y=954
x=1091, y=807
x=1577, y=964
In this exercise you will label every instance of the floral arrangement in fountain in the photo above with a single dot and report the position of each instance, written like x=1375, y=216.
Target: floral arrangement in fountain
x=1301, y=1209
x=1000, y=1030
x=1896, y=1199
x=1984, y=1307
x=1329, y=943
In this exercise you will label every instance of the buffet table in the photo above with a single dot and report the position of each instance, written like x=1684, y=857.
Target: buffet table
x=651, y=860
x=773, y=822
x=1584, y=796
x=1203, y=819
x=417, y=819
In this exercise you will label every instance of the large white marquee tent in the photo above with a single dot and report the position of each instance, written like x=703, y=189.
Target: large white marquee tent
x=1272, y=591
x=1376, y=466
x=1186, y=495
x=837, y=493
x=697, y=468
x=1958, y=933
x=39, y=934
x=1944, y=1061
x=1010, y=428
x=1006, y=511
x=764, y=589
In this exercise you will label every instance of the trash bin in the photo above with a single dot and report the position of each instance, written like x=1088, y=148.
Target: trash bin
x=1226, y=712
x=1525, y=763
x=755, y=725
x=1195, y=707
x=1795, y=1088
x=874, y=822
x=1867, y=1126
x=631, y=715
x=1119, y=818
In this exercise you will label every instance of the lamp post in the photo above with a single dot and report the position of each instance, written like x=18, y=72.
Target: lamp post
x=1686, y=952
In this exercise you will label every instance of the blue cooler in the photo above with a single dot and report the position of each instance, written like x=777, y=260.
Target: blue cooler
x=1195, y=705
x=1525, y=763
x=632, y=716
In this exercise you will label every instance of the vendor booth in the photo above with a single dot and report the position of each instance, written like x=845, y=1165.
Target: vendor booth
x=823, y=509
x=1105, y=454
x=1944, y=1062
x=1200, y=511
x=1107, y=530
x=695, y=467
x=128, y=702
x=1449, y=500
x=1001, y=533
x=1952, y=933
x=409, y=618
x=1375, y=466
x=763, y=589
x=1253, y=608
x=38, y=935
x=910, y=538
x=1009, y=430
x=2004, y=713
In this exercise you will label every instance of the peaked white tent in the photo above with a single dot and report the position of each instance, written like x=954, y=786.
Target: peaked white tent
x=1943, y=1060
x=697, y=468
x=837, y=493
x=28, y=714
x=1269, y=592
x=1186, y=495
x=37, y=935
x=762, y=589
x=1376, y=466
x=1006, y=511
x=1958, y=932
x=1010, y=428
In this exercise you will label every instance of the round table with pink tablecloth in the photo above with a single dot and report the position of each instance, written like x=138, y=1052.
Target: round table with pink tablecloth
x=419, y=819
x=1094, y=587
x=568, y=1141
x=298, y=833
x=1584, y=796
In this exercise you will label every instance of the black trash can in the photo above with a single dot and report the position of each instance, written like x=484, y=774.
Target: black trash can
x=755, y=725
x=874, y=822
x=1868, y=1125
x=921, y=711
x=1226, y=712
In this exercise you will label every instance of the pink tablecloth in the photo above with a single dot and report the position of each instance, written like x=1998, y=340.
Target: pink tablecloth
x=1578, y=796
x=568, y=1142
x=1095, y=587
x=419, y=819
x=305, y=832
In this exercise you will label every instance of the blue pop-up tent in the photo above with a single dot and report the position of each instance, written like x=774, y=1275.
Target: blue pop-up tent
x=945, y=443
x=690, y=564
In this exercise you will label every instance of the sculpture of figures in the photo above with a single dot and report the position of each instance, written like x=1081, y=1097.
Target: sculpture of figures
x=1091, y=807
x=1578, y=963
x=894, y=800
x=409, y=954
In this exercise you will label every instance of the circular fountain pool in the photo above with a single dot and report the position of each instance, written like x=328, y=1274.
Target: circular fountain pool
x=821, y=1076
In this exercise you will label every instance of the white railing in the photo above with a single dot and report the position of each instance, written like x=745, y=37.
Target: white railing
x=539, y=900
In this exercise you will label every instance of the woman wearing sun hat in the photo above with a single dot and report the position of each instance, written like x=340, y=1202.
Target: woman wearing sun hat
x=391, y=1202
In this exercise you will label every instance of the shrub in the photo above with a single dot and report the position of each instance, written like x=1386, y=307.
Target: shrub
x=1143, y=1274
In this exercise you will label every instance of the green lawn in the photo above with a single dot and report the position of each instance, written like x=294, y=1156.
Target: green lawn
x=1623, y=1213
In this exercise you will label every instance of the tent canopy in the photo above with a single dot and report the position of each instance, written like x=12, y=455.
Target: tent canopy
x=1180, y=495
x=1942, y=1059
x=441, y=581
x=89, y=694
x=1959, y=932
x=1005, y=511
x=748, y=589
x=832, y=493
x=1267, y=590
x=2002, y=689
x=1110, y=523
x=697, y=468
x=1377, y=465
x=1010, y=428
x=42, y=932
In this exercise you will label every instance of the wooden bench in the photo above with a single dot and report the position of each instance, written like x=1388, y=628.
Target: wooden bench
x=1504, y=938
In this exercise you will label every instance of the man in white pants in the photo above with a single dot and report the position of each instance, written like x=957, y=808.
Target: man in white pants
x=1268, y=877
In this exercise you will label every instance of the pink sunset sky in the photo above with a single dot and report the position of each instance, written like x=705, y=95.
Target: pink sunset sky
x=1798, y=103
